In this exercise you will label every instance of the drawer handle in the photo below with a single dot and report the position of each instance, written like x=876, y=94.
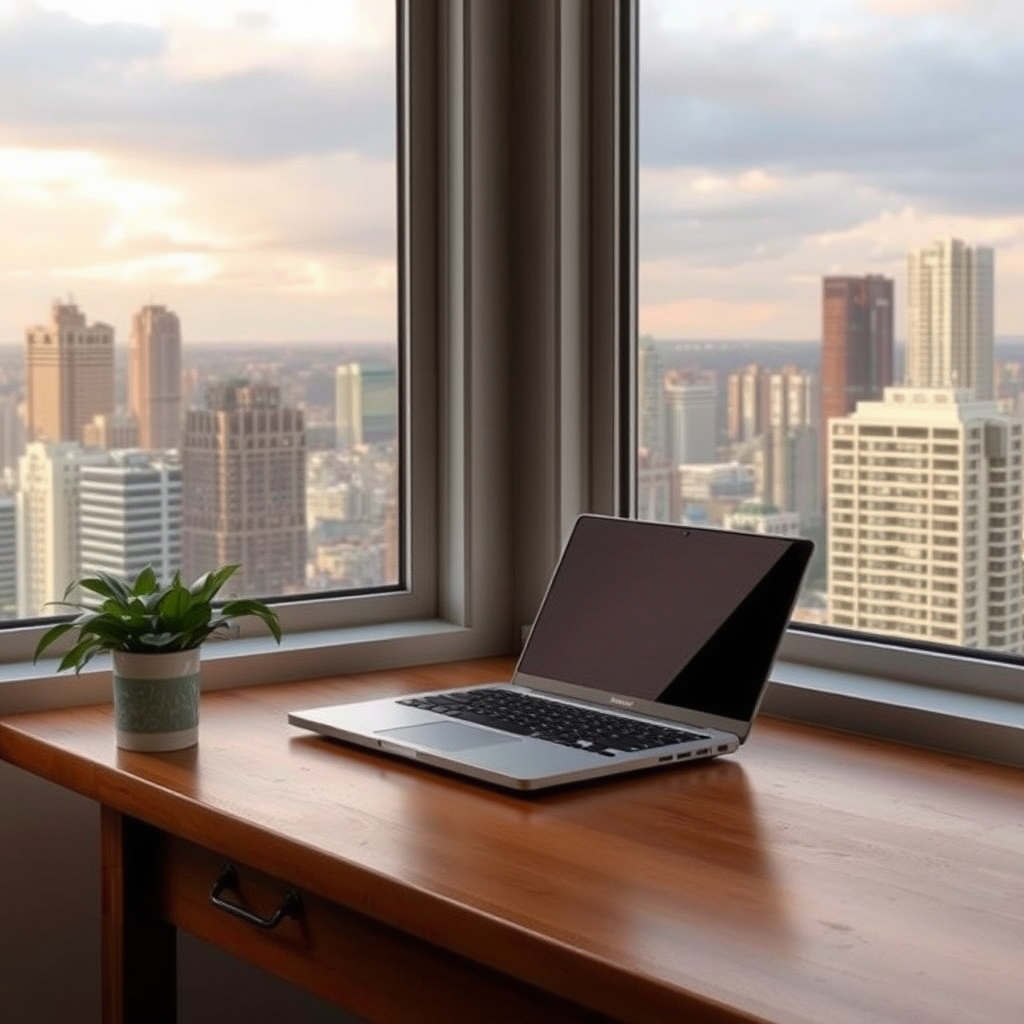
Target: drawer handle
x=228, y=879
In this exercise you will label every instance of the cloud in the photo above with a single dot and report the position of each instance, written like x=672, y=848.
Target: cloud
x=188, y=92
x=926, y=112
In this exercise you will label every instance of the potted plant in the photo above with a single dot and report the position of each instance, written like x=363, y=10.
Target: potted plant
x=154, y=633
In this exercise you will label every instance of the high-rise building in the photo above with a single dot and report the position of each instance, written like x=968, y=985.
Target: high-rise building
x=857, y=342
x=8, y=557
x=950, y=317
x=154, y=377
x=243, y=469
x=69, y=374
x=12, y=435
x=365, y=404
x=925, y=519
x=130, y=515
x=788, y=460
x=348, y=405
x=651, y=412
x=47, y=522
x=380, y=403
x=747, y=403
x=691, y=411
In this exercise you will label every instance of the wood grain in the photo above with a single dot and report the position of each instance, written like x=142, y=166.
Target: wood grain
x=814, y=877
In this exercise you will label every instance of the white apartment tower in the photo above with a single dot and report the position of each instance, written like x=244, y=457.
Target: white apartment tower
x=348, y=405
x=950, y=320
x=691, y=416
x=130, y=515
x=925, y=519
x=154, y=377
x=789, y=462
x=47, y=522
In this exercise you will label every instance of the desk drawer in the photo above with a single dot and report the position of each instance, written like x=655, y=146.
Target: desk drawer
x=376, y=972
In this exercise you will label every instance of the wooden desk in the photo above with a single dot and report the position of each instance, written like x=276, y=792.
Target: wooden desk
x=815, y=877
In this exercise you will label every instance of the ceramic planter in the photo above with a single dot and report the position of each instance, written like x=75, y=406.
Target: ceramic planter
x=156, y=700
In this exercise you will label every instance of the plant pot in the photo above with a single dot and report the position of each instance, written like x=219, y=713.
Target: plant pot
x=156, y=700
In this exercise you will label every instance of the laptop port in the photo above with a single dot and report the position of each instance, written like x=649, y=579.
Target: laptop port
x=666, y=758
x=723, y=748
x=703, y=750
x=685, y=753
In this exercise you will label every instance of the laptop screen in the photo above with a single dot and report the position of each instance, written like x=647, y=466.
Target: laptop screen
x=684, y=616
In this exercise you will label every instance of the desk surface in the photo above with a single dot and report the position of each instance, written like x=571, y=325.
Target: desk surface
x=813, y=877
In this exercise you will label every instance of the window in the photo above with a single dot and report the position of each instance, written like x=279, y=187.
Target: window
x=763, y=204
x=215, y=192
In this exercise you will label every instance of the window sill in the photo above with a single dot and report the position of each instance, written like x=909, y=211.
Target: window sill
x=256, y=660
x=986, y=727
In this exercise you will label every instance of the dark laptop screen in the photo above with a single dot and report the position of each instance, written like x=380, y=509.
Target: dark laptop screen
x=684, y=616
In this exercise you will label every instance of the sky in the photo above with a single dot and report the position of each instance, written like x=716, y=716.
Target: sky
x=236, y=160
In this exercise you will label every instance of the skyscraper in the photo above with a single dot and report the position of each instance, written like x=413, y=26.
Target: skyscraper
x=747, y=403
x=950, y=318
x=348, y=405
x=857, y=340
x=365, y=404
x=243, y=470
x=47, y=521
x=130, y=515
x=691, y=410
x=69, y=374
x=8, y=557
x=790, y=459
x=925, y=519
x=154, y=377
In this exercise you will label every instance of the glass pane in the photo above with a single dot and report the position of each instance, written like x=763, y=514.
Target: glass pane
x=830, y=280
x=199, y=357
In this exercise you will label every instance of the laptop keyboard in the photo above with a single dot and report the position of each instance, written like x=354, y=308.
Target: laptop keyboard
x=567, y=724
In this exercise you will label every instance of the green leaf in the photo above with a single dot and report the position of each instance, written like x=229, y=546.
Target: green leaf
x=52, y=634
x=145, y=582
x=245, y=606
x=80, y=655
x=208, y=585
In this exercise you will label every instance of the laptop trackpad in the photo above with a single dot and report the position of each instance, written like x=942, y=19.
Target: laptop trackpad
x=447, y=736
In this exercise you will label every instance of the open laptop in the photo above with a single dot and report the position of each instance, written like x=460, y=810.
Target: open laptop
x=652, y=647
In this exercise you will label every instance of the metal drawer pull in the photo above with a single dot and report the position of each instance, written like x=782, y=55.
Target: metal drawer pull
x=228, y=879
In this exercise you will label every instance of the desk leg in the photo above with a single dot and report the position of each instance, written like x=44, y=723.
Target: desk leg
x=139, y=950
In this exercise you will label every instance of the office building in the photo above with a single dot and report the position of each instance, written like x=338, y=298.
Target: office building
x=950, y=318
x=746, y=403
x=47, y=521
x=380, y=403
x=154, y=377
x=366, y=404
x=856, y=342
x=348, y=406
x=651, y=422
x=130, y=515
x=69, y=374
x=691, y=417
x=8, y=557
x=788, y=458
x=12, y=434
x=925, y=519
x=243, y=469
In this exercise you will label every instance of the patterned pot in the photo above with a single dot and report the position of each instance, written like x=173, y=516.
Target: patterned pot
x=156, y=700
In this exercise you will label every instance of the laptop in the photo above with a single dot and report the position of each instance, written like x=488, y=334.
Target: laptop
x=652, y=648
